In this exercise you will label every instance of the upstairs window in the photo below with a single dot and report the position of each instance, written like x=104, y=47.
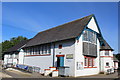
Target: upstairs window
x=10, y=55
x=106, y=53
x=38, y=50
x=89, y=36
x=89, y=43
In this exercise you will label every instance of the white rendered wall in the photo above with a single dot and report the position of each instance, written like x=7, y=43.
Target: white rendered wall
x=79, y=54
x=44, y=62
x=79, y=57
x=92, y=25
x=68, y=47
x=104, y=59
x=6, y=58
x=14, y=61
x=21, y=57
x=115, y=65
x=10, y=59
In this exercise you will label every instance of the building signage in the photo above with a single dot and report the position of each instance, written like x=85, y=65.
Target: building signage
x=79, y=65
x=69, y=56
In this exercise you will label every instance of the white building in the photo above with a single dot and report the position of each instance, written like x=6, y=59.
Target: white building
x=77, y=46
x=15, y=54
x=116, y=61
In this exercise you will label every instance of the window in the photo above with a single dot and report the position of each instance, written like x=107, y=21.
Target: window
x=45, y=49
x=89, y=49
x=89, y=62
x=30, y=51
x=86, y=61
x=89, y=43
x=85, y=35
x=49, y=48
x=10, y=55
x=60, y=46
x=40, y=50
x=107, y=53
x=16, y=55
x=89, y=36
x=107, y=64
x=37, y=50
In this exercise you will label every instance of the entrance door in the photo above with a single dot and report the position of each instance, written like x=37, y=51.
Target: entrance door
x=60, y=61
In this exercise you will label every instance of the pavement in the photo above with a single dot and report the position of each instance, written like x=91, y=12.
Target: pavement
x=4, y=75
x=22, y=74
x=14, y=73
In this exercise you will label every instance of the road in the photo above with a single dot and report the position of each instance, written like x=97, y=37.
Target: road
x=20, y=74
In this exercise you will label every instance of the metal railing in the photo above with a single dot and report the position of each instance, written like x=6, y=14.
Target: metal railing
x=110, y=71
x=28, y=68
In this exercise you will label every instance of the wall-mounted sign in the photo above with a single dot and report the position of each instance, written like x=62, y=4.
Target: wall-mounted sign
x=79, y=65
x=69, y=56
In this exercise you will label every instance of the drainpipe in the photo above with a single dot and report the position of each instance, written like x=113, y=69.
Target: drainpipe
x=12, y=57
x=99, y=62
x=53, y=54
x=23, y=57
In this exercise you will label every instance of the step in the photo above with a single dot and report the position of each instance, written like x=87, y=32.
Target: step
x=47, y=72
x=55, y=73
x=52, y=68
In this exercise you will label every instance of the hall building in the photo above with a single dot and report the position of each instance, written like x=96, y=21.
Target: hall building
x=77, y=46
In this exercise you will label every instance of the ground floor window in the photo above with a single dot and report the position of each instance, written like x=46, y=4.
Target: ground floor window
x=107, y=64
x=89, y=62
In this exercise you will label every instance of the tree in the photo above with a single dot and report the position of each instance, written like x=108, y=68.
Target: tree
x=0, y=50
x=118, y=57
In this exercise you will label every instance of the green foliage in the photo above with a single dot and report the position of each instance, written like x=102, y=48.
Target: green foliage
x=118, y=57
x=0, y=50
x=10, y=43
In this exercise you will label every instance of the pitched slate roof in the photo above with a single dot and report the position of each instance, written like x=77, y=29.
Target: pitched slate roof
x=17, y=46
x=106, y=46
x=66, y=31
x=62, y=32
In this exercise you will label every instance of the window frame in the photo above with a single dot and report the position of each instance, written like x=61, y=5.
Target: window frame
x=88, y=64
x=107, y=53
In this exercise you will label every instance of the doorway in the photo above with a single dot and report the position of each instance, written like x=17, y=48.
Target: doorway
x=60, y=61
